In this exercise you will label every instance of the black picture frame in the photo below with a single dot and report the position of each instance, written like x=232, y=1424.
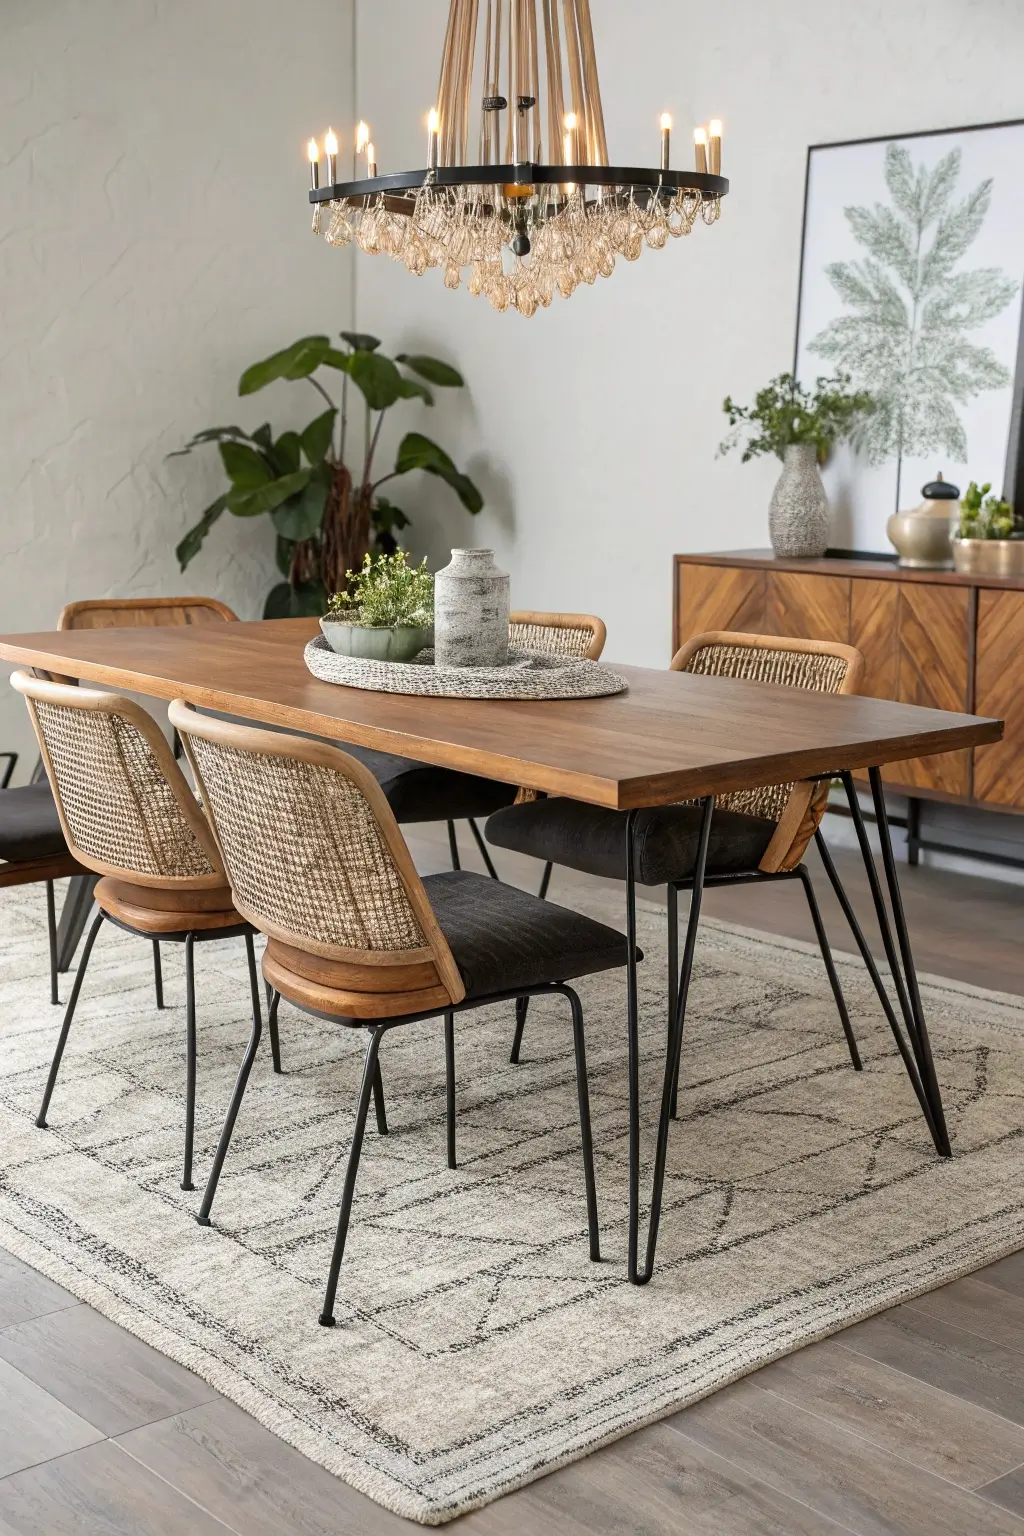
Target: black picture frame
x=1013, y=472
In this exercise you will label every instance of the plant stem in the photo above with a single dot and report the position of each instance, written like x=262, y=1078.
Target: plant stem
x=317, y=385
x=371, y=450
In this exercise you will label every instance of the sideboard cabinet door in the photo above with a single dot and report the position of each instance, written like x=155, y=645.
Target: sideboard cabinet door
x=999, y=769
x=719, y=597
x=933, y=664
x=806, y=607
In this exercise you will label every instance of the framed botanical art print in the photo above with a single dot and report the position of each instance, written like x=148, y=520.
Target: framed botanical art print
x=910, y=282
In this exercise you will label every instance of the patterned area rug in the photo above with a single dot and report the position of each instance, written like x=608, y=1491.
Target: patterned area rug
x=477, y=1346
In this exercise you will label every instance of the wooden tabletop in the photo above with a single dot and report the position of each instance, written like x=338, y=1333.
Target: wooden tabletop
x=671, y=737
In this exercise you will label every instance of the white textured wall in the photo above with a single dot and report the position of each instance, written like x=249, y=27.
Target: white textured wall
x=154, y=239
x=594, y=425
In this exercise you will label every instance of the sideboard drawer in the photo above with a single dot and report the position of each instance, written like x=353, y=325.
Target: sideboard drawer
x=999, y=692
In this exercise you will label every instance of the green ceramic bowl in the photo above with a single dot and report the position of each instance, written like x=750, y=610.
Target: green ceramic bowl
x=399, y=644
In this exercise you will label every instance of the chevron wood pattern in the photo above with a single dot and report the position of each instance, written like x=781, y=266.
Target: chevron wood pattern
x=715, y=597
x=874, y=630
x=932, y=670
x=808, y=607
x=999, y=769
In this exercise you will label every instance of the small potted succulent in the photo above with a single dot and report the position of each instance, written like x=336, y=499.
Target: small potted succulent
x=387, y=612
x=990, y=541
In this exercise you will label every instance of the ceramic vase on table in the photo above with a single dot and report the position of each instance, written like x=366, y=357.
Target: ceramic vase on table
x=471, y=606
x=798, y=514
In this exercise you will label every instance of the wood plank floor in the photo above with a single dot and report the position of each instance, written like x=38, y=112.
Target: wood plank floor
x=909, y=1423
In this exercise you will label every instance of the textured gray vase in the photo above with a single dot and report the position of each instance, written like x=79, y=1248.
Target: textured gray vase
x=471, y=611
x=798, y=514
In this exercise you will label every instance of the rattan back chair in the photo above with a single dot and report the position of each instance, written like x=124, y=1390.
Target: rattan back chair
x=318, y=863
x=580, y=635
x=128, y=815
x=143, y=612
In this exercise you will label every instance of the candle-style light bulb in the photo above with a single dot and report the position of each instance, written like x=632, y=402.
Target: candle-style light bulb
x=666, y=137
x=331, y=151
x=700, y=149
x=715, y=146
x=362, y=136
x=572, y=138
x=371, y=159
x=433, y=146
x=313, y=151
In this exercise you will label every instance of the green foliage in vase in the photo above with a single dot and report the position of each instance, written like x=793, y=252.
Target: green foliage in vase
x=905, y=337
x=326, y=518
x=387, y=593
x=784, y=413
x=983, y=516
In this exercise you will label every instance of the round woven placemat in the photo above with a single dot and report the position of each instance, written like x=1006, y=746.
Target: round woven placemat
x=528, y=675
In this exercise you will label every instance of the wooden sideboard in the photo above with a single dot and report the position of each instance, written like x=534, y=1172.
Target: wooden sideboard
x=928, y=637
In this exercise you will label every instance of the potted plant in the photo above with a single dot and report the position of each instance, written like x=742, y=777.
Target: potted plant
x=386, y=612
x=990, y=540
x=801, y=428
x=326, y=518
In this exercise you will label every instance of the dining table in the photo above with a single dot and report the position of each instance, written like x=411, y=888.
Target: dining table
x=668, y=737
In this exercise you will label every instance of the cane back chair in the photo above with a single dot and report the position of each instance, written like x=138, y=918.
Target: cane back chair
x=421, y=792
x=127, y=613
x=317, y=862
x=128, y=814
x=755, y=835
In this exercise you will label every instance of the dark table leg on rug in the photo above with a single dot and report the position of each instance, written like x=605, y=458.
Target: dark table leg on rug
x=905, y=978
x=673, y=1046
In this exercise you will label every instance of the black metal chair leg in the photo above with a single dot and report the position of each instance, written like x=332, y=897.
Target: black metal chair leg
x=362, y=1108
x=673, y=968
x=522, y=1004
x=74, y=915
x=906, y=1054
x=633, y=1044
x=449, y=1080
x=275, y=1039
x=190, y=1059
x=453, y=844
x=158, y=974
x=241, y=1081
x=51, y=934
x=545, y=881
x=62, y=1038
x=925, y=1063
x=484, y=854
x=583, y=1095
x=378, y=1102
x=833, y=977
x=674, y=1044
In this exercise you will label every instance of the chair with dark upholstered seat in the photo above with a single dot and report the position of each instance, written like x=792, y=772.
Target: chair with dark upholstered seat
x=420, y=792
x=755, y=835
x=127, y=813
x=316, y=861
x=33, y=849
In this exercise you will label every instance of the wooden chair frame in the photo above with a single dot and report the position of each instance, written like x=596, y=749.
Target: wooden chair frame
x=138, y=612
x=599, y=632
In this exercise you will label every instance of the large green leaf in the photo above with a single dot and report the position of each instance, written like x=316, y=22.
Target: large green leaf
x=301, y=516
x=433, y=370
x=286, y=453
x=287, y=602
x=246, y=469
x=278, y=603
x=335, y=359
x=264, y=436
x=377, y=377
x=298, y=361
x=193, y=540
x=359, y=341
x=317, y=437
x=412, y=390
x=418, y=452
x=283, y=554
x=268, y=497
x=210, y=435
x=386, y=516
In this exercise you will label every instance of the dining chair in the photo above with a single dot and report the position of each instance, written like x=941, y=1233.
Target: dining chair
x=33, y=850
x=422, y=792
x=126, y=613
x=127, y=814
x=317, y=862
x=755, y=835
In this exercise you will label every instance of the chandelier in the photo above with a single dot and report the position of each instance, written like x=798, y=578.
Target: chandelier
x=540, y=210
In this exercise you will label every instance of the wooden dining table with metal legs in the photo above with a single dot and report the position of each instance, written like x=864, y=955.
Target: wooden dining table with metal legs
x=670, y=737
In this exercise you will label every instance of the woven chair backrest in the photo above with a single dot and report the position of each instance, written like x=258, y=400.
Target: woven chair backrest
x=143, y=612
x=313, y=852
x=125, y=806
x=822, y=666
x=558, y=634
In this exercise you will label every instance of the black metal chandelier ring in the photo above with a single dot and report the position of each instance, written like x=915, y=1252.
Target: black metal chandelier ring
x=525, y=174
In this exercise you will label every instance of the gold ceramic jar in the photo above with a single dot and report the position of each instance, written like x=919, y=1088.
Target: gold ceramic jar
x=922, y=536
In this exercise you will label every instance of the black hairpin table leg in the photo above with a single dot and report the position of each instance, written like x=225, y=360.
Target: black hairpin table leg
x=901, y=964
